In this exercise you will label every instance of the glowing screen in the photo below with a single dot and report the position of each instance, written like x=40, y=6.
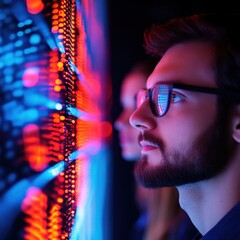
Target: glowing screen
x=54, y=122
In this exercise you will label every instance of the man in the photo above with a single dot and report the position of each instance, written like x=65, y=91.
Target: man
x=189, y=120
x=160, y=214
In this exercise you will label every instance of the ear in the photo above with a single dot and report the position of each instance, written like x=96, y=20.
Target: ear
x=236, y=124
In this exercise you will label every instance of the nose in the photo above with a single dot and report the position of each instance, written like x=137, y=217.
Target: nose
x=142, y=118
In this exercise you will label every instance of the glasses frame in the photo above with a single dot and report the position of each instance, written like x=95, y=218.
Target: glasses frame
x=171, y=86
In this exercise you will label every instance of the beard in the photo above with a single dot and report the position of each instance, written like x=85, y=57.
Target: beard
x=205, y=158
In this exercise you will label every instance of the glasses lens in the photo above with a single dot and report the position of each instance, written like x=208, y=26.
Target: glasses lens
x=160, y=99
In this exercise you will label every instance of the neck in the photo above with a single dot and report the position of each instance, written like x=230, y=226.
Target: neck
x=207, y=202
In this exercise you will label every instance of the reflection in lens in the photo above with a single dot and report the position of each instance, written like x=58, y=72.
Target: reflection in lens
x=160, y=97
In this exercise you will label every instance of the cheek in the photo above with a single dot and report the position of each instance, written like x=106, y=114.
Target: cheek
x=185, y=127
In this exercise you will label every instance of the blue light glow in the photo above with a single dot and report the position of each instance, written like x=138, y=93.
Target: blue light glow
x=20, y=33
x=92, y=216
x=75, y=112
x=35, y=99
x=8, y=79
x=28, y=21
x=17, y=93
x=21, y=24
x=43, y=178
x=35, y=39
x=8, y=47
x=58, y=106
x=19, y=116
x=76, y=154
x=30, y=50
x=81, y=114
x=18, y=53
x=19, y=60
x=19, y=43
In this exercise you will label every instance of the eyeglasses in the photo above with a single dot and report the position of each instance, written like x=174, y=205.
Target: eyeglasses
x=160, y=95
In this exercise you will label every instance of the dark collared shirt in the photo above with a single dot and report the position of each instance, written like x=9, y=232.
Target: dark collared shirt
x=228, y=228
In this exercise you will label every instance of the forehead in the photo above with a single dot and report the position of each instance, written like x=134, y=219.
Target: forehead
x=190, y=63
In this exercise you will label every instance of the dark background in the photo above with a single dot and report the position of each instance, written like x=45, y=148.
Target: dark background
x=127, y=20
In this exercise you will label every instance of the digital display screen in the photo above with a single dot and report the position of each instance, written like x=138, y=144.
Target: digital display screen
x=54, y=122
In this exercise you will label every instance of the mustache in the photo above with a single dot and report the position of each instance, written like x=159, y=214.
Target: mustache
x=146, y=136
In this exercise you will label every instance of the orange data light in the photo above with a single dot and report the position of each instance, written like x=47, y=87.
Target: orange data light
x=34, y=6
x=34, y=206
x=35, y=151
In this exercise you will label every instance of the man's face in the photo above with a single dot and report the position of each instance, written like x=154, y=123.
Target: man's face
x=182, y=146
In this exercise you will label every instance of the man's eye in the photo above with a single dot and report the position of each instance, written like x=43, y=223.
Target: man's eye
x=176, y=97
